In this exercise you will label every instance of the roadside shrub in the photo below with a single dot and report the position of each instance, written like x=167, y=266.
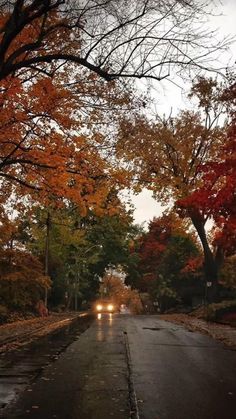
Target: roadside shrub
x=228, y=273
x=4, y=312
x=217, y=311
x=22, y=279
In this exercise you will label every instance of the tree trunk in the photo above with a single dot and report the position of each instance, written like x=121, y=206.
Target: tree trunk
x=211, y=265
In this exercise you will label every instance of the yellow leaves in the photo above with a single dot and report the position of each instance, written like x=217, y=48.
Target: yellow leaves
x=166, y=155
x=114, y=288
x=33, y=146
x=39, y=34
x=47, y=97
x=53, y=135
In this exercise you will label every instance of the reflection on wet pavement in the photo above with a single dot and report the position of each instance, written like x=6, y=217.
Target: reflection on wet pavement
x=18, y=368
x=103, y=333
x=89, y=380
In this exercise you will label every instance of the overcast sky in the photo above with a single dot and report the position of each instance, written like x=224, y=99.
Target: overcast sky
x=146, y=207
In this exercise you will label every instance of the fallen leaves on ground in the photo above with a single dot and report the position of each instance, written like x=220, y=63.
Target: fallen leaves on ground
x=223, y=333
x=22, y=332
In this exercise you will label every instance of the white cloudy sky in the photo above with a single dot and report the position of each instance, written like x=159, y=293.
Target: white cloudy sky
x=225, y=22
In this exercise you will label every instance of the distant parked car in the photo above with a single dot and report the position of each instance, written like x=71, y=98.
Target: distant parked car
x=124, y=309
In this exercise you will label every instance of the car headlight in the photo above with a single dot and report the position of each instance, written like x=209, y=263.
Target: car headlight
x=99, y=307
x=110, y=307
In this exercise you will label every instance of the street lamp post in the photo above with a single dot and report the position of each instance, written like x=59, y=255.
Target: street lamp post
x=76, y=295
x=46, y=262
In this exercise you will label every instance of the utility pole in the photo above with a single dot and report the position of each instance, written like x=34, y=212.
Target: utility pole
x=76, y=286
x=46, y=256
x=79, y=273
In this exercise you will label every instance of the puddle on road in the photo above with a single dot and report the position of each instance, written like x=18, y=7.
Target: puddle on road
x=157, y=329
x=18, y=368
x=152, y=328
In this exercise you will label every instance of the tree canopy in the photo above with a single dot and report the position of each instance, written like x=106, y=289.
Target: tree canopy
x=136, y=39
x=167, y=156
x=168, y=261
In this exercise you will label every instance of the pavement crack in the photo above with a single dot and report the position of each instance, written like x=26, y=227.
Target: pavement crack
x=134, y=411
x=152, y=328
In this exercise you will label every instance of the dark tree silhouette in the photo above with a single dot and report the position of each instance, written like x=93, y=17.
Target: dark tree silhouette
x=132, y=39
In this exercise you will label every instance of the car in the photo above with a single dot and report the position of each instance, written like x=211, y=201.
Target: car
x=104, y=306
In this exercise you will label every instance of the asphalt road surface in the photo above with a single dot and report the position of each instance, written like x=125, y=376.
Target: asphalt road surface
x=134, y=367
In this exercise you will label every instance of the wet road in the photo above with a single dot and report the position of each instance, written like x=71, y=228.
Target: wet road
x=179, y=374
x=134, y=366
x=20, y=367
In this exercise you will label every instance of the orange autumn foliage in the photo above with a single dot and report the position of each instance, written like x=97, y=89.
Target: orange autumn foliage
x=54, y=112
x=22, y=279
x=47, y=149
x=114, y=288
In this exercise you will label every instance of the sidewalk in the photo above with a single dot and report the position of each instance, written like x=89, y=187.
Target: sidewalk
x=87, y=381
x=20, y=333
x=221, y=332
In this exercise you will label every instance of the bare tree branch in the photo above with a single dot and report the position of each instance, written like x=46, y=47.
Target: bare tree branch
x=113, y=39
